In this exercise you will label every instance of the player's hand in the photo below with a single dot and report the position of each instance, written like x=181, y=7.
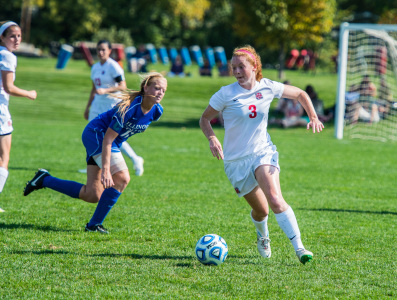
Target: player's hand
x=101, y=91
x=32, y=95
x=106, y=179
x=316, y=125
x=216, y=147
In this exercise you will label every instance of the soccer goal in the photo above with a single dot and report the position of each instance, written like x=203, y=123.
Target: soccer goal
x=366, y=104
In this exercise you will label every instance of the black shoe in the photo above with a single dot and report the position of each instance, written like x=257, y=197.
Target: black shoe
x=98, y=228
x=36, y=183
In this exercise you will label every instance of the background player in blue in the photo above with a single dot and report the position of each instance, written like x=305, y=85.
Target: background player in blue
x=10, y=39
x=250, y=157
x=107, y=172
x=107, y=81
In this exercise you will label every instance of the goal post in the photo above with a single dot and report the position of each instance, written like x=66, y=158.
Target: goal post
x=366, y=101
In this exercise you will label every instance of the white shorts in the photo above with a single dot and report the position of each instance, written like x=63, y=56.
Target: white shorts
x=5, y=120
x=117, y=162
x=241, y=172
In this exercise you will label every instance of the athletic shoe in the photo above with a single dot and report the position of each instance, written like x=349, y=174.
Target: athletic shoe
x=138, y=166
x=1, y=210
x=94, y=228
x=304, y=255
x=84, y=171
x=37, y=182
x=264, y=247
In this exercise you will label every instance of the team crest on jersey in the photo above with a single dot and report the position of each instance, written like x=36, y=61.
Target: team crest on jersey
x=258, y=96
x=237, y=190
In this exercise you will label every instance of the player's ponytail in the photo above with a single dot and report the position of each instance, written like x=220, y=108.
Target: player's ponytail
x=253, y=57
x=127, y=96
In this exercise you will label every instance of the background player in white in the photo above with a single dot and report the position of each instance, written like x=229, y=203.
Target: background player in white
x=250, y=158
x=10, y=39
x=107, y=172
x=107, y=81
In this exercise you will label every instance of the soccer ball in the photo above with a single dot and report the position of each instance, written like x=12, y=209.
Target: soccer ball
x=211, y=249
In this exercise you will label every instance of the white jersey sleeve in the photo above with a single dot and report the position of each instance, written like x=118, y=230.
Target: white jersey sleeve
x=8, y=62
x=217, y=101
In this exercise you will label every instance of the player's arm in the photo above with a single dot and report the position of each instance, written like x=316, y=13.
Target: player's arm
x=121, y=86
x=205, y=125
x=11, y=89
x=92, y=95
x=293, y=92
x=106, y=176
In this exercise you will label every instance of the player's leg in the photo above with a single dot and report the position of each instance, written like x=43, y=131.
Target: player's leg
x=5, y=147
x=269, y=181
x=109, y=197
x=259, y=216
x=136, y=160
x=92, y=191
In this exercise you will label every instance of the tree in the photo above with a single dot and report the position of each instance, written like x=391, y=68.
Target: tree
x=280, y=24
x=161, y=22
x=66, y=21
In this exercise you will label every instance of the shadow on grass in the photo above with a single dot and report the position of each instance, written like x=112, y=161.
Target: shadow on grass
x=383, y=212
x=140, y=256
x=190, y=123
x=32, y=227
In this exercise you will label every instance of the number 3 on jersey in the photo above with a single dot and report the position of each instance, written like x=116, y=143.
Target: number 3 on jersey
x=253, y=113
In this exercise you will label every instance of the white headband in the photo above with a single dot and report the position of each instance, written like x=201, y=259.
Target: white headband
x=6, y=25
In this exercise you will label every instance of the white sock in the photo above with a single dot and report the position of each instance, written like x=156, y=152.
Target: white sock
x=3, y=177
x=287, y=222
x=261, y=227
x=128, y=151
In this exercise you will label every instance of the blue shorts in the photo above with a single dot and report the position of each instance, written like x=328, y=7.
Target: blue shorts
x=92, y=141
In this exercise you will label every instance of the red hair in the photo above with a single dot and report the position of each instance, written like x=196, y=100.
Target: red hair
x=250, y=54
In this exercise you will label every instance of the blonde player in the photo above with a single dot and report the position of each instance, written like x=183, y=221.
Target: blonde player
x=251, y=159
x=107, y=172
x=10, y=38
x=108, y=79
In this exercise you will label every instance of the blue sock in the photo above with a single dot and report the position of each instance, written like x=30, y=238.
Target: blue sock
x=108, y=199
x=69, y=188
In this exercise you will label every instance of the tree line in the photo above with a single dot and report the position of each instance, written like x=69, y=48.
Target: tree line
x=273, y=27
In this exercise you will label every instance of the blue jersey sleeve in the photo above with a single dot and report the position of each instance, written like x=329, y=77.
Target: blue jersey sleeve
x=116, y=123
x=157, y=114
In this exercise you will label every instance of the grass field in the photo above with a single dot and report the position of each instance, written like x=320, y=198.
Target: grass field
x=343, y=194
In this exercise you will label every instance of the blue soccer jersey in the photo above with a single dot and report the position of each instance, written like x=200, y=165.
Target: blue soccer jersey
x=134, y=122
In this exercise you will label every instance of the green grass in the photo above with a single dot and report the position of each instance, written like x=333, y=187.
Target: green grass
x=343, y=194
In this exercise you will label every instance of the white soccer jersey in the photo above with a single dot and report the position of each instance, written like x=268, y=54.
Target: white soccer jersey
x=8, y=62
x=245, y=113
x=103, y=76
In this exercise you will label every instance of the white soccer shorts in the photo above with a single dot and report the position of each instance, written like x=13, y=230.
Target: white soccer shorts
x=241, y=172
x=5, y=120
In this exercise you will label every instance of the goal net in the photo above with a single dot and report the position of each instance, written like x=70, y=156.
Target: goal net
x=366, y=105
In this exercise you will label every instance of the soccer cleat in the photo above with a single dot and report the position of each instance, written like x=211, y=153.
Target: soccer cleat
x=304, y=255
x=98, y=228
x=138, y=166
x=36, y=183
x=1, y=210
x=263, y=244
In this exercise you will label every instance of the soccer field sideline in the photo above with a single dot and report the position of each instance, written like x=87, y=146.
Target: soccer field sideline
x=343, y=193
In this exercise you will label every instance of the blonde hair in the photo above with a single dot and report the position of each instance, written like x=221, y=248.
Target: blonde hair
x=252, y=56
x=127, y=96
